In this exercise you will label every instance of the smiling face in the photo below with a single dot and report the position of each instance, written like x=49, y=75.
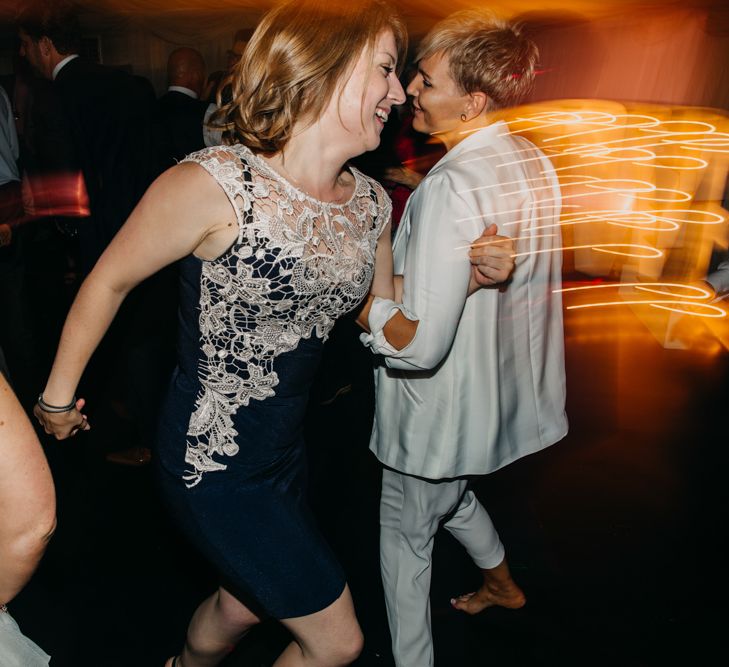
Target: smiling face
x=362, y=107
x=438, y=102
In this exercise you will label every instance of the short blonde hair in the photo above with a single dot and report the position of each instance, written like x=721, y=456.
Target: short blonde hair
x=485, y=54
x=299, y=55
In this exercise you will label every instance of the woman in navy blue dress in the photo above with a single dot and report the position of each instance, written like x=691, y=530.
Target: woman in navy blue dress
x=277, y=237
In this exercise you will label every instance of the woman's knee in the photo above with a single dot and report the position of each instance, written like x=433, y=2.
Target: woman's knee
x=352, y=647
x=344, y=648
x=234, y=613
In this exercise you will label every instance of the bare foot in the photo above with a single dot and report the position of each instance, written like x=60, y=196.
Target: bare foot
x=498, y=590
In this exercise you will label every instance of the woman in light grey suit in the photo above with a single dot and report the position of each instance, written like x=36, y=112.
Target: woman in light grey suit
x=468, y=384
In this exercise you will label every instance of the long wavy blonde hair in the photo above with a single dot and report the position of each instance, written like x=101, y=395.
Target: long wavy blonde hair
x=299, y=56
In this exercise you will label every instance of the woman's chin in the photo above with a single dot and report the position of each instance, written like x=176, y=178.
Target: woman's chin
x=372, y=144
x=419, y=125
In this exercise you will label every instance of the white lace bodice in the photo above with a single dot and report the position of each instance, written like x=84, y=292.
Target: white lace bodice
x=297, y=265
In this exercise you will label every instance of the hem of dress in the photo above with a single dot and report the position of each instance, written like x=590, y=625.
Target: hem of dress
x=308, y=610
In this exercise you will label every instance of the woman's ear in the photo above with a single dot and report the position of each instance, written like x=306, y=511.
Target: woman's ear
x=476, y=104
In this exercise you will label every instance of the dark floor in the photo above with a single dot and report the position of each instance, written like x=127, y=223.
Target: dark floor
x=615, y=533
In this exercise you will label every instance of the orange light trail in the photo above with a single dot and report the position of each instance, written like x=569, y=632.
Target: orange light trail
x=636, y=186
x=656, y=288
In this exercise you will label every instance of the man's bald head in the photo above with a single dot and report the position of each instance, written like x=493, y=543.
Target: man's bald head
x=186, y=67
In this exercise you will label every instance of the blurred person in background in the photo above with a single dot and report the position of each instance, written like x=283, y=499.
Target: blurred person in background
x=181, y=108
x=16, y=330
x=11, y=200
x=109, y=117
x=219, y=88
x=106, y=116
x=219, y=81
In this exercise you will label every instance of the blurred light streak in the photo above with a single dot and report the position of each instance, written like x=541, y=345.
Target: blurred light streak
x=641, y=186
x=651, y=252
x=515, y=238
x=701, y=292
x=714, y=311
x=699, y=309
x=61, y=194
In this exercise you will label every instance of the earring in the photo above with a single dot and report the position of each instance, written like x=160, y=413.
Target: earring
x=463, y=118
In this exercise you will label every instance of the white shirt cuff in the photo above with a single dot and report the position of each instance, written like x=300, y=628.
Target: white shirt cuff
x=381, y=311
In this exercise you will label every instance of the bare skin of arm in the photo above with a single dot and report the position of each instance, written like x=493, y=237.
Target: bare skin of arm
x=492, y=262
x=382, y=282
x=27, y=497
x=184, y=211
x=387, y=286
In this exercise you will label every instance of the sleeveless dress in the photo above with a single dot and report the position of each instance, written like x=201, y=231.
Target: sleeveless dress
x=252, y=325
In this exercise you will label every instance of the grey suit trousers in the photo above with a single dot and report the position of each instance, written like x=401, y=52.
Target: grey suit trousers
x=411, y=511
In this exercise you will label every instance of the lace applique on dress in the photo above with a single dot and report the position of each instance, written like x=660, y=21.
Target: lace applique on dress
x=298, y=264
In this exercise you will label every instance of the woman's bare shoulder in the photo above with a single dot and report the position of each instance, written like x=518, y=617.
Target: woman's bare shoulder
x=190, y=190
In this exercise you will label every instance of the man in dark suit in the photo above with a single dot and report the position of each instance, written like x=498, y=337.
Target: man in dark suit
x=109, y=119
x=107, y=116
x=181, y=110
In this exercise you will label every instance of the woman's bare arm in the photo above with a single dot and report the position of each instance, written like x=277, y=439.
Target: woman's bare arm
x=387, y=286
x=382, y=282
x=184, y=211
x=492, y=261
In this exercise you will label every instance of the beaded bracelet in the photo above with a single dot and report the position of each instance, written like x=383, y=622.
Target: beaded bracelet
x=55, y=408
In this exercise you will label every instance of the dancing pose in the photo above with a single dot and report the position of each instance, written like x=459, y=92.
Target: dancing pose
x=276, y=237
x=469, y=383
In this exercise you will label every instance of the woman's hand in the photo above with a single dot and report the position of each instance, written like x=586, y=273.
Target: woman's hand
x=63, y=425
x=492, y=259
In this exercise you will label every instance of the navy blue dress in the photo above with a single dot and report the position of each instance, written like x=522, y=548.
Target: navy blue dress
x=252, y=326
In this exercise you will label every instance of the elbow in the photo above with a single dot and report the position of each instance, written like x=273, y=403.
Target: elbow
x=38, y=539
x=30, y=544
x=430, y=361
x=399, y=331
x=99, y=283
x=415, y=361
x=49, y=531
x=45, y=525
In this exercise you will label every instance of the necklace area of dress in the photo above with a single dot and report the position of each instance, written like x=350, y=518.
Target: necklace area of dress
x=287, y=177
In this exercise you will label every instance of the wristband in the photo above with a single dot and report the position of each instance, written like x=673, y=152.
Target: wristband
x=46, y=407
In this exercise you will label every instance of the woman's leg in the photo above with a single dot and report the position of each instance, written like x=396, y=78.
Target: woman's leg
x=216, y=627
x=472, y=527
x=327, y=638
x=411, y=509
